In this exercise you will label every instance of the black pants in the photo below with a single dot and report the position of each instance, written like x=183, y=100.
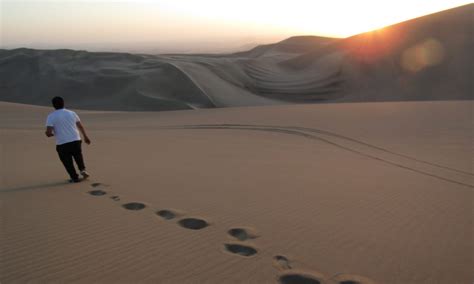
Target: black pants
x=67, y=152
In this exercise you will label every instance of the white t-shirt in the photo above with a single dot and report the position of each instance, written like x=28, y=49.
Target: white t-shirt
x=64, y=123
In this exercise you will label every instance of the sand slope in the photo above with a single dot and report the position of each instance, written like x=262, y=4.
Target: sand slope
x=244, y=195
x=429, y=58
x=107, y=81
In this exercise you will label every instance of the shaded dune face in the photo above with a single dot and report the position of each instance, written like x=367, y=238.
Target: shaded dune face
x=105, y=81
x=427, y=58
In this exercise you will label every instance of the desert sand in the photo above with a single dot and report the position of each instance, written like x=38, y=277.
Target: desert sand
x=371, y=193
x=232, y=184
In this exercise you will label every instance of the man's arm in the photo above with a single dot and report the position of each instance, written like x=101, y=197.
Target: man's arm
x=49, y=131
x=83, y=131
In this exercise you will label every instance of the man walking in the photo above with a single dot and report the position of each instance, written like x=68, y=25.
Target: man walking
x=64, y=125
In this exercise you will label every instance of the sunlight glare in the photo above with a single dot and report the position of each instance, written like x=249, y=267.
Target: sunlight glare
x=338, y=18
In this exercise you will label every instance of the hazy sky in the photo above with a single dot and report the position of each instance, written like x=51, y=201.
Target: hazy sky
x=194, y=25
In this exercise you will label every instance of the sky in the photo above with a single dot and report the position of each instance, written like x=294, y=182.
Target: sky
x=194, y=25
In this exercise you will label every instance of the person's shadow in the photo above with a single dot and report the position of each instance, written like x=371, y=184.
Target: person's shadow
x=34, y=187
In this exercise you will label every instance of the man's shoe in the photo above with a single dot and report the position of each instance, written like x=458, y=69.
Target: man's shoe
x=75, y=180
x=85, y=174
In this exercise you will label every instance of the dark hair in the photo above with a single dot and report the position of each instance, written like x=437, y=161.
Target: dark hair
x=58, y=102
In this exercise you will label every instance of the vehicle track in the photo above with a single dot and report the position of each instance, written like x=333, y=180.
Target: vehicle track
x=434, y=170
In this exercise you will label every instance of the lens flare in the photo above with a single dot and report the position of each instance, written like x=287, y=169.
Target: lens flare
x=428, y=53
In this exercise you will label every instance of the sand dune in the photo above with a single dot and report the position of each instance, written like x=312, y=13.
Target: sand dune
x=106, y=81
x=334, y=193
x=297, y=44
x=275, y=194
x=428, y=58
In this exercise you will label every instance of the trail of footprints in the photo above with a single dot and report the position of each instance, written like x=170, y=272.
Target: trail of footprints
x=240, y=246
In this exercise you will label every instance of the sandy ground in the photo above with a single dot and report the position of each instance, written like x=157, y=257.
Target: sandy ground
x=370, y=192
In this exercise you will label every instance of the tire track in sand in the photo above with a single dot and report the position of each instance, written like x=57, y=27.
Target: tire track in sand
x=352, y=145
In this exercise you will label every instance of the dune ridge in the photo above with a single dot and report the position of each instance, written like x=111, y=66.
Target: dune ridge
x=428, y=58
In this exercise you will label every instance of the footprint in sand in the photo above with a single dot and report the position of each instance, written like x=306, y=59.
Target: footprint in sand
x=299, y=278
x=97, y=192
x=134, y=206
x=281, y=262
x=242, y=234
x=166, y=214
x=351, y=279
x=193, y=223
x=115, y=198
x=239, y=249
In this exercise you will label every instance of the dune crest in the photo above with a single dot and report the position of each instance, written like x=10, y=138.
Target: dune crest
x=428, y=58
